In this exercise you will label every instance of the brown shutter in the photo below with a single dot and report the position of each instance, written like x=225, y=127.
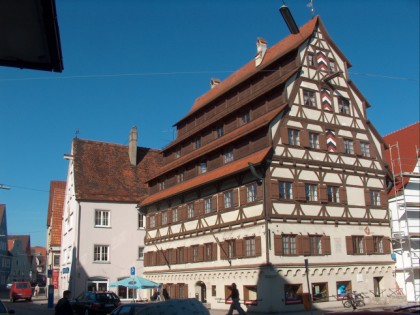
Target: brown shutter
x=386, y=242
x=304, y=138
x=223, y=250
x=260, y=191
x=182, y=212
x=299, y=191
x=158, y=219
x=357, y=148
x=367, y=198
x=200, y=252
x=372, y=150
x=146, y=259
x=278, y=245
x=169, y=216
x=240, y=248
x=306, y=245
x=148, y=222
x=323, y=142
x=368, y=240
x=214, y=203
x=299, y=246
x=284, y=135
x=342, y=195
x=384, y=199
x=189, y=252
x=275, y=189
x=258, y=246
x=349, y=245
x=200, y=207
x=242, y=195
x=326, y=245
x=340, y=144
x=235, y=197
x=221, y=200
x=323, y=193
x=214, y=251
x=186, y=254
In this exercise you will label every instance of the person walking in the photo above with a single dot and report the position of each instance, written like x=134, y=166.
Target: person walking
x=234, y=295
x=63, y=306
x=36, y=291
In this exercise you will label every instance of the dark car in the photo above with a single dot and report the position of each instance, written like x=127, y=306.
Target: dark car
x=92, y=303
x=129, y=309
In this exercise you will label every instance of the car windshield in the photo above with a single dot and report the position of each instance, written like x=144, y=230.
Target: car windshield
x=104, y=297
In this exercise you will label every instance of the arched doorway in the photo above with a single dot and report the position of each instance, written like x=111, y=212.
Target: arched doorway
x=200, y=291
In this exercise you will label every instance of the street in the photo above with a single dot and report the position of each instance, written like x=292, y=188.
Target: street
x=29, y=308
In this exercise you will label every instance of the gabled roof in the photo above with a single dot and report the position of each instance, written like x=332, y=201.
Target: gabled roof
x=102, y=171
x=206, y=178
x=408, y=140
x=24, y=239
x=55, y=211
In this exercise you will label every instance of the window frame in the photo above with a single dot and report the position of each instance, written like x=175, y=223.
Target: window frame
x=140, y=253
x=375, y=198
x=311, y=192
x=208, y=205
x=190, y=210
x=365, y=149
x=348, y=146
x=309, y=98
x=202, y=167
x=99, y=255
x=285, y=190
x=251, y=193
x=293, y=136
x=250, y=247
x=220, y=131
x=228, y=156
x=343, y=105
x=99, y=221
x=288, y=244
x=333, y=193
x=314, y=140
x=228, y=199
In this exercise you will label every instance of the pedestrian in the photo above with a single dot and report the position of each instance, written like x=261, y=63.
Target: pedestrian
x=36, y=293
x=63, y=306
x=234, y=295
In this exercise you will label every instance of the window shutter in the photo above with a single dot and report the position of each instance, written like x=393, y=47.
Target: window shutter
x=240, y=248
x=235, y=197
x=284, y=135
x=306, y=245
x=186, y=254
x=342, y=195
x=214, y=203
x=260, y=192
x=200, y=207
x=168, y=216
x=223, y=250
x=146, y=260
x=278, y=245
x=173, y=256
x=258, y=246
x=299, y=245
x=214, y=251
x=349, y=245
x=384, y=199
x=386, y=242
x=275, y=189
x=299, y=191
x=323, y=193
x=368, y=240
x=326, y=245
x=221, y=204
x=323, y=142
x=182, y=212
x=242, y=195
x=304, y=138
x=357, y=148
x=367, y=198
x=153, y=260
x=200, y=252
x=372, y=150
x=189, y=252
x=340, y=144
x=158, y=219
x=148, y=222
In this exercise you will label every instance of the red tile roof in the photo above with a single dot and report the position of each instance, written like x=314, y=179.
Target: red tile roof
x=203, y=179
x=102, y=171
x=408, y=140
x=55, y=211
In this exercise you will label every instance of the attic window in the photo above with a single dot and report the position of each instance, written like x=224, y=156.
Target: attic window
x=311, y=60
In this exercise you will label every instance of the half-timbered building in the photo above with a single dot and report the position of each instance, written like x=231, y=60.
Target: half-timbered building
x=276, y=182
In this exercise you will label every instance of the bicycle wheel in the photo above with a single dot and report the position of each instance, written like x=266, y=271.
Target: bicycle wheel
x=361, y=303
x=347, y=304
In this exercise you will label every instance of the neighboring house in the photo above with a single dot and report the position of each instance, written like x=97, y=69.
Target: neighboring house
x=273, y=167
x=103, y=232
x=404, y=205
x=21, y=265
x=5, y=258
x=39, y=258
x=54, y=224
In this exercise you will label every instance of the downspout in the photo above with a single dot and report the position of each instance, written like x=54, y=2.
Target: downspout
x=77, y=250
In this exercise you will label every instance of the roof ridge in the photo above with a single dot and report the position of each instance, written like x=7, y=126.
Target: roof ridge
x=403, y=128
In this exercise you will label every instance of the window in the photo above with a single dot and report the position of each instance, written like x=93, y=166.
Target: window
x=190, y=210
x=286, y=190
x=228, y=199
x=228, y=156
x=208, y=252
x=342, y=288
x=101, y=253
x=251, y=193
x=313, y=140
x=102, y=218
x=231, y=248
x=177, y=154
x=175, y=215
x=203, y=167
x=140, y=253
x=358, y=247
x=375, y=198
x=343, y=106
x=152, y=221
x=311, y=60
x=378, y=245
x=293, y=293
x=289, y=245
x=365, y=149
x=162, y=185
x=250, y=247
x=140, y=221
x=250, y=295
x=309, y=98
x=320, y=292
x=293, y=136
x=311, y=192
x=56, y=260
x=333, y=193
x=246, y=118
x=208, y=205
x=197, y=143
x=220, y=131
x=180, y=255
x=164, y=218
x=348, y=146
x=194, y=250
x=315, y=245
x=180, y=176
x=332, y=65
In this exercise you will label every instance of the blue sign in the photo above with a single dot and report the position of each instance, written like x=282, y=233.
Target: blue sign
x=66, y=270
x=132, y=271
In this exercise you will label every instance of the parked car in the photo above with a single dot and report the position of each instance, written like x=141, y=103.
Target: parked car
x=129, y=309
x=174, y=307
x=93, y=303
x=21, y=290
x=4, y=310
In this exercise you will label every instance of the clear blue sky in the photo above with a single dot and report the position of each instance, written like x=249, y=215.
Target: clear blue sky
x=143, y=63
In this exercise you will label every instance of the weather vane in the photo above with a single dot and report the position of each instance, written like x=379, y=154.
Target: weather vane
x=77, y=132
x=311, y=5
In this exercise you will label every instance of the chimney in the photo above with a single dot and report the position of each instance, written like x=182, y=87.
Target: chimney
x=132, y=146
x=261, y=49
x=214, y=82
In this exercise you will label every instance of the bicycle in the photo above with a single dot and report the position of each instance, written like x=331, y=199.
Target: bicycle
x=354, y=300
